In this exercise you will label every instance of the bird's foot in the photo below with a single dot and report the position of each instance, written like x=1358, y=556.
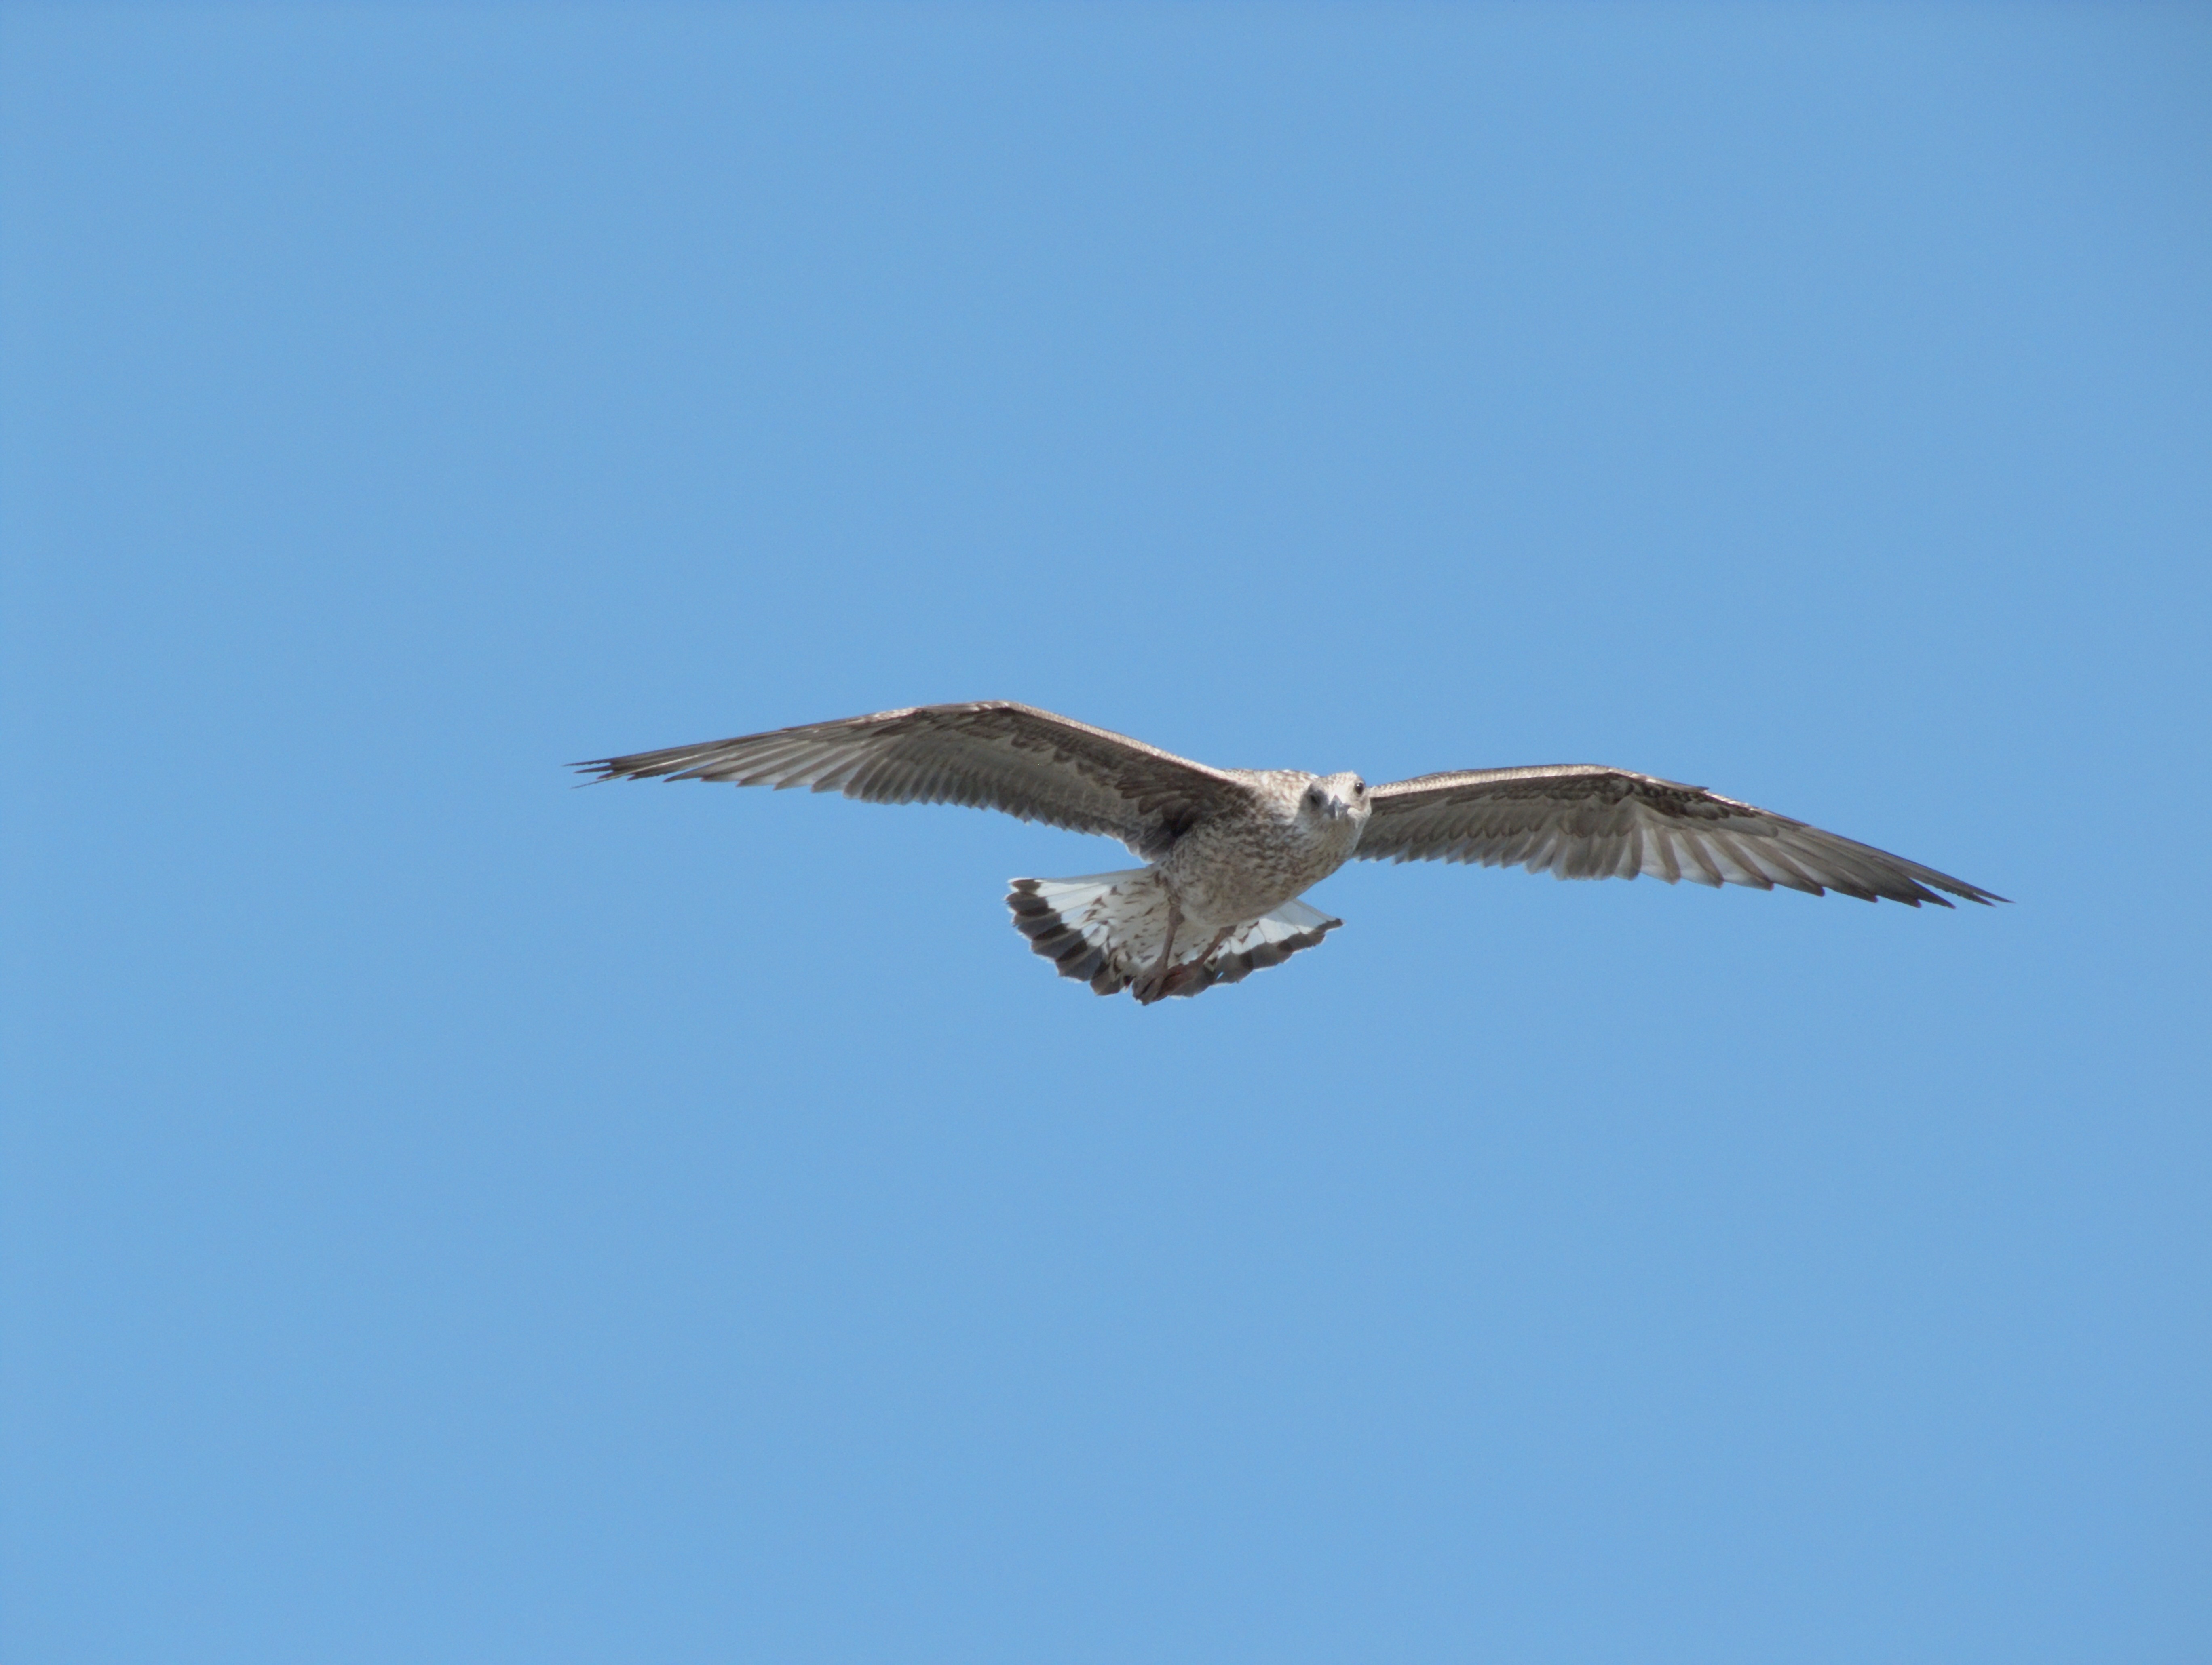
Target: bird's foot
x=1193, y=976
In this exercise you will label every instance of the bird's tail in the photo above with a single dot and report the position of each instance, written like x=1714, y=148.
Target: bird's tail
x=1268, y=940
x=1109, y=929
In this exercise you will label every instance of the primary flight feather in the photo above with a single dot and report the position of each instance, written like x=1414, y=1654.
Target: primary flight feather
x=1229, y=850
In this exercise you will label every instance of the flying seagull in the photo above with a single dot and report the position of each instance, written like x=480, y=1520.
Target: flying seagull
x=1229, y=850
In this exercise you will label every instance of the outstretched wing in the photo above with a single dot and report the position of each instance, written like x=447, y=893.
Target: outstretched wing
x=989, y=755
x=1582, y=820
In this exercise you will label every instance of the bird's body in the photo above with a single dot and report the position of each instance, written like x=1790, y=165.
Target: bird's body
x=1229, y=850
x=1178, y=926
x=1228, y=870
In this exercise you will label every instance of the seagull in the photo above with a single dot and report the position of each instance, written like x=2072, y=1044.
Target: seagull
x=1229, y=851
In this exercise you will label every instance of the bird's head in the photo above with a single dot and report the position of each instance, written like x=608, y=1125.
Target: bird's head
x=1335, y=797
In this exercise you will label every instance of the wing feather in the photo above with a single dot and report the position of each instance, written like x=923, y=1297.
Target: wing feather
x=1585, y=821
x=988, y=754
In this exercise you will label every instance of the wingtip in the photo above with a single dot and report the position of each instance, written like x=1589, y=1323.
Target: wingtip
x=1973, y=894
x=1964, y=891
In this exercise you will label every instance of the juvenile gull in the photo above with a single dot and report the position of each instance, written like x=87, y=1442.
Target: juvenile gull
x=1229, y=851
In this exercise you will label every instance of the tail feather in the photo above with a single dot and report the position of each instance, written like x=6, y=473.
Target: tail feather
x=1268, y=940
x=1102, y=929
x=1107, y=929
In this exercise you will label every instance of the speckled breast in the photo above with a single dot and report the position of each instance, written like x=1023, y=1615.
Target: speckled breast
x=1227, y=872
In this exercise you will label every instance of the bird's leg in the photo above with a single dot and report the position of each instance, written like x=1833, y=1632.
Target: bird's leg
x=1152, y=984
x=1195, y=967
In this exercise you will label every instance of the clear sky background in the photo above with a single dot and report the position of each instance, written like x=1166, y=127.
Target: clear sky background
x=451, y=1216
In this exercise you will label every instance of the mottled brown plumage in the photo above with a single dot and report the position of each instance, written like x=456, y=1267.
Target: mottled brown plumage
x=1230, y=849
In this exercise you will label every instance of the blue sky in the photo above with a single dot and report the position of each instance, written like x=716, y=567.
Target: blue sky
x=453, y=1216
